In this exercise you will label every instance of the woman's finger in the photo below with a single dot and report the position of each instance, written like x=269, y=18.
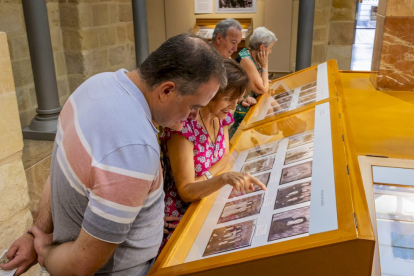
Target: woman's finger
x=258, y=183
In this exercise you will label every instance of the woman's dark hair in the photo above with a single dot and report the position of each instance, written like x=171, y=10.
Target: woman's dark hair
x=237, y=80
x=185, y=59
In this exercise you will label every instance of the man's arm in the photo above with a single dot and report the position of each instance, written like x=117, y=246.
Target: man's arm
x=21, y=253
x=81, y=257
x=44, y=218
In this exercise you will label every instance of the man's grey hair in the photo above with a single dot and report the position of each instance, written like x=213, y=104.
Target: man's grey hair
x=261, y=36
x=224, y=25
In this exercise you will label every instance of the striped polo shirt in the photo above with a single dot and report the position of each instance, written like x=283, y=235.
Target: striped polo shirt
x=105, y=174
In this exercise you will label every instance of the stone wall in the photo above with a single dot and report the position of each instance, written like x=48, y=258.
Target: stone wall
x=333, y=33
x=15, y=216
x=393, y=55
x=88, y=37
x=98, y=36
x=321, y=30
x=12, y=22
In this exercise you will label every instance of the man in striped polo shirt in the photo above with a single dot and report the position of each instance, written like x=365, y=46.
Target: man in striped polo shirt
x=106, y=189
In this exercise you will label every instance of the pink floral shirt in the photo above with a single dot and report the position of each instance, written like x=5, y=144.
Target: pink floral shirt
x=205, y=155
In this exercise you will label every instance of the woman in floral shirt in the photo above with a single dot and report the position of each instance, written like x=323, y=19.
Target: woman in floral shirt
x=200, y=150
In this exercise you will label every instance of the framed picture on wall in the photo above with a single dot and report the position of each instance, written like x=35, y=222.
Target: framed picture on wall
x=236, y=6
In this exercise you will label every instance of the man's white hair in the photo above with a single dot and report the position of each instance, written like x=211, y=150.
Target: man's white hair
x=224, y=25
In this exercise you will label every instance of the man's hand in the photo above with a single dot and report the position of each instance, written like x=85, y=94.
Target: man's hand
x=41, y=243
x=169, y=225
x=22, y=255
x=242, y=182
x=248, y=101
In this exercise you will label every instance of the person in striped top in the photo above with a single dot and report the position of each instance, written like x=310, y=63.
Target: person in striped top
x=104, y=201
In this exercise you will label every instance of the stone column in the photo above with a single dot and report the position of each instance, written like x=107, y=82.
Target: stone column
x=393, y=56
x=15, y=216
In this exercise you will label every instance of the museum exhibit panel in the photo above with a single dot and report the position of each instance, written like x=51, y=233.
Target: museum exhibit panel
x=294, y=92
x=314, y=210
x=389, y=186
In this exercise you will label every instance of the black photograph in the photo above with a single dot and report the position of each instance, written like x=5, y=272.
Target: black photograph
x=300, y=140
x=231, y=237
x=296, y=172
x=302, y=153
x=261, y=151
x=290, y=223
x=264, y=178
x=293, y=195
x=241, y=208
x=259, y=165
x=235, y=6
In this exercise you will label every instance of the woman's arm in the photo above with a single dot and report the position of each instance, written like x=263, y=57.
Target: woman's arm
x=180, y=151
x=259, y=82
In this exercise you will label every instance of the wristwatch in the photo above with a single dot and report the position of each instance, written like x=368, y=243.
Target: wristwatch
x=208, y=175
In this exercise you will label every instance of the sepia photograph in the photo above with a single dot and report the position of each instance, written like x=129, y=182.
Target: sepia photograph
x=308, y=99
x=282, y=95
x=231, y=237
x=259, y=165
x=296, y=172
x=241, y=208
x=307, y=92
x=235, y=6
x=260, y=151
x=264, y=178
x=293, y=195
x=277, y=108
x=283, y=100
x=298, y=141
x=394, y=207
x=296, y=155
x=307, y=86
x=289, y=224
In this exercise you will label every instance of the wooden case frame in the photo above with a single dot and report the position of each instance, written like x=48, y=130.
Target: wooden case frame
x=346, y=251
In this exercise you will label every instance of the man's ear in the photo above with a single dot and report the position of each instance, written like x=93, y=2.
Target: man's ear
x=166, y=91
x=218, y=38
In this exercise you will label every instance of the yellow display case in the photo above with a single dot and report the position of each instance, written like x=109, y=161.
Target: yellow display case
x=337, y=237
x=381, y=134
x=294, y=93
